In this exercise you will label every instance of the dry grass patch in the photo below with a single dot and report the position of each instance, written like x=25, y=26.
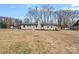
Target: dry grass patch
x=28, y=41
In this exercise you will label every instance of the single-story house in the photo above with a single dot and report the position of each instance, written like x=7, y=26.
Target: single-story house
x=75, y=26
x=39, y=26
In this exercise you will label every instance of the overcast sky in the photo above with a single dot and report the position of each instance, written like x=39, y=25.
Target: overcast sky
x=19, y=10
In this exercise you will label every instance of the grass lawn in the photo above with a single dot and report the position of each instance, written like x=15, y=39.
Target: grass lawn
x=28, y=41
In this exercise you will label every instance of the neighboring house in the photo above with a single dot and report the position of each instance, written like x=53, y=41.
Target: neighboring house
x=39, y=26
x=75, y=26
x=14, y=26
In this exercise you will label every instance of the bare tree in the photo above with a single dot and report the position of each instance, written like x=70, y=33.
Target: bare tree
x=47, y=14
x=44, y=13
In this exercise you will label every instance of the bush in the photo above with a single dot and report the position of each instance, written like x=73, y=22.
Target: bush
x=3, y=25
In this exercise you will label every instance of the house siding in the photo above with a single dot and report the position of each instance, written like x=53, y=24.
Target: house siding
x=45, y=27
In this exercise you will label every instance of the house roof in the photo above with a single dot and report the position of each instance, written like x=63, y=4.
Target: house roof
x=30, y=24
x=37, y=24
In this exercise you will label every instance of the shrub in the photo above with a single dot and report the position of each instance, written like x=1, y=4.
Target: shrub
x=3, y=25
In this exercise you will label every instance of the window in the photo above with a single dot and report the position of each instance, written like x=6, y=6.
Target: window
x=47, y=26
x=23, y=25
x=42, y=26
x=36, y=25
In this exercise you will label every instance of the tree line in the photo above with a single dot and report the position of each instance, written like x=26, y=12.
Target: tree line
x=48, y=14
x=6, y=22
